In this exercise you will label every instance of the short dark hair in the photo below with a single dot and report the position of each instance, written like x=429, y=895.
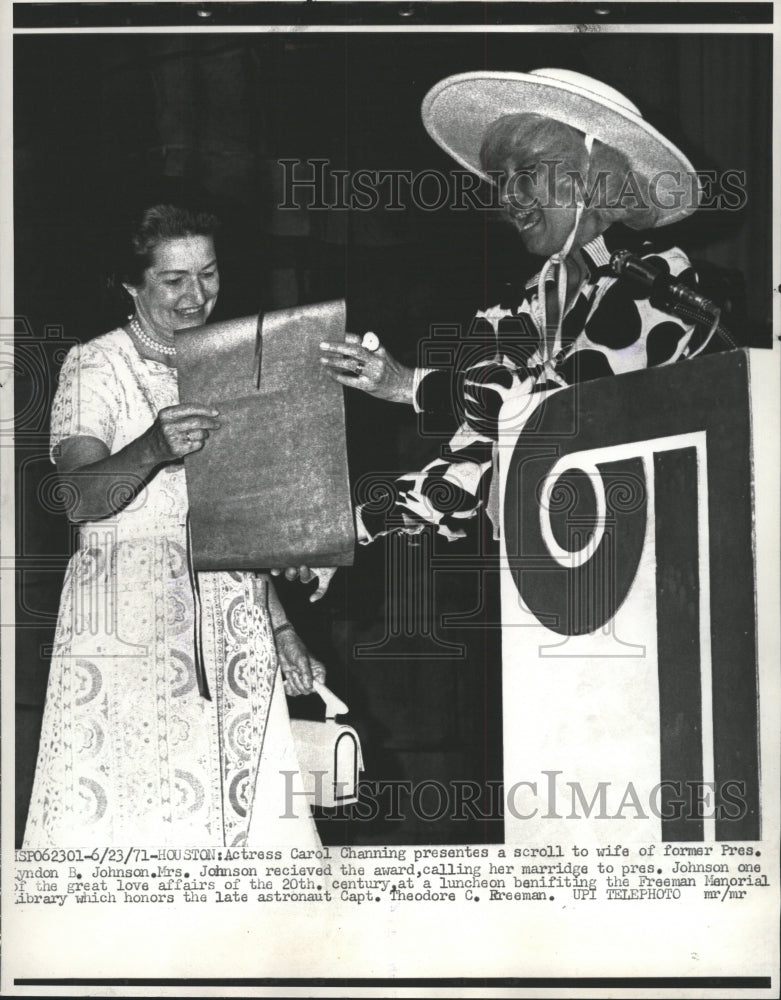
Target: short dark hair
x=152, y=226
x=136, y=237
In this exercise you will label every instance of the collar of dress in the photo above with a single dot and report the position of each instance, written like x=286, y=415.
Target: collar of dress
x=595, y=254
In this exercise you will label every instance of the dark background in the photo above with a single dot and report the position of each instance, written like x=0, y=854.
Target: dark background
x=97, y=117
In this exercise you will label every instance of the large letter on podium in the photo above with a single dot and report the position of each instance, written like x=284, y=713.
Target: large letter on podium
x=270, y=487
x=629, y=607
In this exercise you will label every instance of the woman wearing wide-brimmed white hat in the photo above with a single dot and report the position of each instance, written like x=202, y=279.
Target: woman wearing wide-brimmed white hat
x=581, y=174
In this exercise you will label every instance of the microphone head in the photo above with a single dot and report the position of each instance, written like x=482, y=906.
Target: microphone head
x=619, y=261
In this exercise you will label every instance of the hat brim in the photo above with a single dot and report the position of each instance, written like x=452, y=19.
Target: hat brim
x=457, y=111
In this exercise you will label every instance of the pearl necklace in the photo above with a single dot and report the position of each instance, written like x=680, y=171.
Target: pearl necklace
x=148, y=341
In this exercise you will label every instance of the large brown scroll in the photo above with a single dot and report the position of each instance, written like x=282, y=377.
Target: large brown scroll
x=270, y=487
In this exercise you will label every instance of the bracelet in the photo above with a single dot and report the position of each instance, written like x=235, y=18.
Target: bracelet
x=279, y=629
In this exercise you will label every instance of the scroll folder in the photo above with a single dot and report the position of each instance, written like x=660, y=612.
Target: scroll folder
x=270, y=487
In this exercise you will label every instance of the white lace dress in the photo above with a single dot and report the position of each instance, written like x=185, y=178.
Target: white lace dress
x=130, y=753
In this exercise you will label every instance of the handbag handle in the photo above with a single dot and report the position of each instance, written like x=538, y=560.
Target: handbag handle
x=333, y=706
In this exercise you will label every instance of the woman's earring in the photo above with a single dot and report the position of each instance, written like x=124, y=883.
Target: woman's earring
x=130, y=291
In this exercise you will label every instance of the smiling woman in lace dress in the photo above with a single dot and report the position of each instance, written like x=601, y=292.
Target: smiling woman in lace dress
x=156, y=731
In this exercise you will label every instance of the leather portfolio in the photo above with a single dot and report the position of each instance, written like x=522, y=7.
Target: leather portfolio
x=270, y=487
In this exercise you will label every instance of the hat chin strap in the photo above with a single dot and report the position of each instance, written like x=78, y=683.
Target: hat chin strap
x=557, y=260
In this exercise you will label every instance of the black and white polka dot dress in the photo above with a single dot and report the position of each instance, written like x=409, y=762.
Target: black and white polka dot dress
x=610, y=328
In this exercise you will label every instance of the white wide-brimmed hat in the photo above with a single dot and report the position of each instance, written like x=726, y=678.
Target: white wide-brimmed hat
x=457, y=111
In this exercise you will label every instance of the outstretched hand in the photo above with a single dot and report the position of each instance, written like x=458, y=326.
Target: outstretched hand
x=374, y=371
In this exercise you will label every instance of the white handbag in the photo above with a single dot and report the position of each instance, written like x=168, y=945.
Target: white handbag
x=329, y=755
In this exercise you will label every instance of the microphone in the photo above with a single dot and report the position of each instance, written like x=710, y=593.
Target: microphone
x=666, y=292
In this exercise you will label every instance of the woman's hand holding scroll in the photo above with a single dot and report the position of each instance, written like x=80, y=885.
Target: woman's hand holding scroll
x=180, y=430
x=102, y=483
x=374, y=371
